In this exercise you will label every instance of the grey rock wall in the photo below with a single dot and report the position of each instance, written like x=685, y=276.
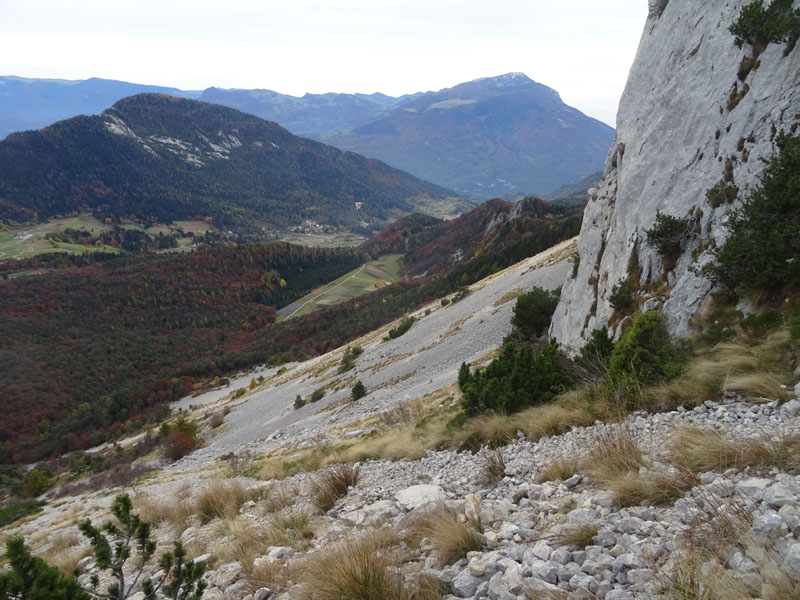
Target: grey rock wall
x=678, y=134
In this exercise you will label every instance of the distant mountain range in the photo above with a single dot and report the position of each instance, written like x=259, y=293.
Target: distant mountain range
x=155, y=156
x=495, y=136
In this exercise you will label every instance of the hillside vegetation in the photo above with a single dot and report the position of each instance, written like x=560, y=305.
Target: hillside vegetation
x=157, y=157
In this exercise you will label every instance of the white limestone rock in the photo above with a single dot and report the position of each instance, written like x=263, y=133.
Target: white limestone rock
x=675, y=138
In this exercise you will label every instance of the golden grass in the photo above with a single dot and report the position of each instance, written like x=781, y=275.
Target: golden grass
x=290, y=528
x=267, y=574
x=752, y=370
x=333, y=483
x=614, y=455
x=65, y=551
x=493, y=468
x=175, y=510
x=558, y=470
x=357, y=568
x=617, y=464
x=578, y=536
x=508, y=297
x=451, y=538
x=249, y=542
x=699, y=450
x=221, y=499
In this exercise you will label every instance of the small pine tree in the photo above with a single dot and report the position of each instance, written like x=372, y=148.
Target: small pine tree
x=358, y=391
x=113, y=545
x=31, y=578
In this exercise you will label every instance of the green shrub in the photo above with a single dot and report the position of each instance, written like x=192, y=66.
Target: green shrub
x=533, y=312
x=722, y=193
x=349, y=358
x=645, y=353
x=317, y=395
x=358, y=391
x=794, y=327
x=405, y=325
x=445, y=301
x=31, y=578
x=514, y=380
x=667, y=236
x=14, y=512
x=621, y=297
x=597, y=351
x=35, y=483
x=762, y=250
x=759, y=325
x=758, y=25
x=575, y=259
x=299, y=402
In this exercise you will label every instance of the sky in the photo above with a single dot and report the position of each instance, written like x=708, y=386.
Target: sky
x=581, y=48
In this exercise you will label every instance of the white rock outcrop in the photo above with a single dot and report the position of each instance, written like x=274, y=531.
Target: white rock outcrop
x=686, y=122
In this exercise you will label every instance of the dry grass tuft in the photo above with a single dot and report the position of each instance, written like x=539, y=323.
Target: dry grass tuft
x=267, y=574
x=65, y=551
x=249, y=542
x=493, y=468
x=332, y=484
x=700, y=450
x=290, y=528
x=618, y=465
x=357, y=568
x=578, y=536
x=615, y=455
x=451, y=538
x=175, y=510
x=221, y=499
x=276, y=497
x=753, y=370
x=558, y=470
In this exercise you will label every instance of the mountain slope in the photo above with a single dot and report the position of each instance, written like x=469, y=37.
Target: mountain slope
x=34, y=103
x=487, y=137
x=160, y=157
x=311, y=114
x=431, y=247
x=692, y=117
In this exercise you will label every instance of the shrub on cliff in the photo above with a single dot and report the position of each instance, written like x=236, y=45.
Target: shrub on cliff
x=645, y=353
x=758, y=25
x=763, y=249
x=533, y=312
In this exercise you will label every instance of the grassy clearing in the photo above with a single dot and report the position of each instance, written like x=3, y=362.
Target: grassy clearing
x=36, y=243
x=365, y=278
x=323, y=240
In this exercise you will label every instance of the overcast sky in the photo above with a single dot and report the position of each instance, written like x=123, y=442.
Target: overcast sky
x=581, y=48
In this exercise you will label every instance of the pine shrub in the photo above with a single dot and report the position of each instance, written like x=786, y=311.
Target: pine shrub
x=645, y=353
x=762, y=250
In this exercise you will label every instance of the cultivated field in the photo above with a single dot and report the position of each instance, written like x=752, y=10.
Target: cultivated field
x=30, y=240
x=365, y=278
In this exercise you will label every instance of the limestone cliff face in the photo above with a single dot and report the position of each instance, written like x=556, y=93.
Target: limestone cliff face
x=688, y=119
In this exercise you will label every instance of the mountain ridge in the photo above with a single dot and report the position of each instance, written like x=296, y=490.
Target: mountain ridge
x=161, y=157
x=488, y=156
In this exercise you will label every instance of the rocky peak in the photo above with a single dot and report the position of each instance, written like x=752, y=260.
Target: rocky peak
x=691, y=116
